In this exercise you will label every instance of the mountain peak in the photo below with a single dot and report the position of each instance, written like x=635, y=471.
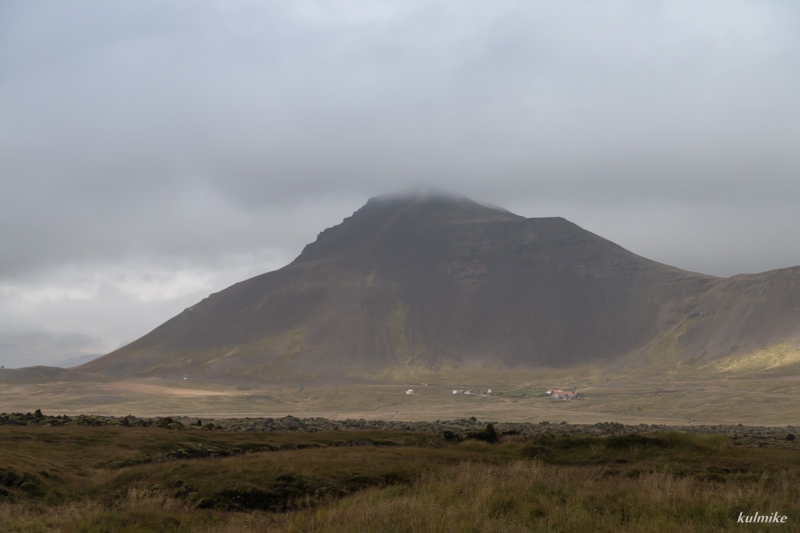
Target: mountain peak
x=432, y=201
x=436, y=280
x=412, y=211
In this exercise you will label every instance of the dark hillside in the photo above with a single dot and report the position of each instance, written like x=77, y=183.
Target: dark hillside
x=438, y=281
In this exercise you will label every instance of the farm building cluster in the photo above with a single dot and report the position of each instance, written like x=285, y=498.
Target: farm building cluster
x=458, y=391
x=557, y=394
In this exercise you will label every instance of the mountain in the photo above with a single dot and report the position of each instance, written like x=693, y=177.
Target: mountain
x=75, y=361
x=436, y=281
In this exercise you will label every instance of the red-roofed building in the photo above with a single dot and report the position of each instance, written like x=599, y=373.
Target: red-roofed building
x=563, y=395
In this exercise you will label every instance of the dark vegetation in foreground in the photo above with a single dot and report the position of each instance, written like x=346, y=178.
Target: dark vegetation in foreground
x=753, y=436
x=89, y=478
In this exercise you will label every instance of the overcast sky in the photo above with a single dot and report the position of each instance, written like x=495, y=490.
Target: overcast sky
x=155, y=151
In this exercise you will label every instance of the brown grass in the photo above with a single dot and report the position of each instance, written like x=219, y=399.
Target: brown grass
x=521, y=496
x=530, y=496
x=664, y=482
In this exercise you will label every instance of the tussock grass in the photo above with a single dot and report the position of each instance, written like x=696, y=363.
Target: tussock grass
x=521, y=496
x=532, y=496
x=661, y=482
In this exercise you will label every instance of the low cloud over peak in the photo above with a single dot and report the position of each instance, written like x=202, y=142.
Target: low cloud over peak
x=218, y=138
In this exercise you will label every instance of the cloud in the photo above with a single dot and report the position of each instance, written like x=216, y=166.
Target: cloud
x=18, y=351
x=70, y=311
x=145, y=146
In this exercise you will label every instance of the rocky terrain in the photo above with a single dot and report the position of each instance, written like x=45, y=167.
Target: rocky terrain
x=741, y=435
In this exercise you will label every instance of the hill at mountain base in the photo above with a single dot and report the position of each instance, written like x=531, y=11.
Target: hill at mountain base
x=440, y=282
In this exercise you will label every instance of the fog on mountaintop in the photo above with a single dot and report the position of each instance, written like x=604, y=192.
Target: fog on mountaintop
x=154, y=152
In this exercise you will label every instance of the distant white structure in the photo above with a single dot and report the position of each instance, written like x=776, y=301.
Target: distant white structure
x=409, y=391
x=455, y=392
x=489, y=391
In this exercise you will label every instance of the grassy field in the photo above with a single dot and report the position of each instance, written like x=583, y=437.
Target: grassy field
x=675, y=400
x=132, y=479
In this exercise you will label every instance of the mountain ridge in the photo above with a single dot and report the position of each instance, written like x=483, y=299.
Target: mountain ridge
x=435, y=281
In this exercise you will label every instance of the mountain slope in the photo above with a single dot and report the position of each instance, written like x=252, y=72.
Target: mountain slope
x=437, y=281
x=744, y=314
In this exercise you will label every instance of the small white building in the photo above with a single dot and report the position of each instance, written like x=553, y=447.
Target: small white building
x=455, y=392
x=409, y=391
x=489, y=391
